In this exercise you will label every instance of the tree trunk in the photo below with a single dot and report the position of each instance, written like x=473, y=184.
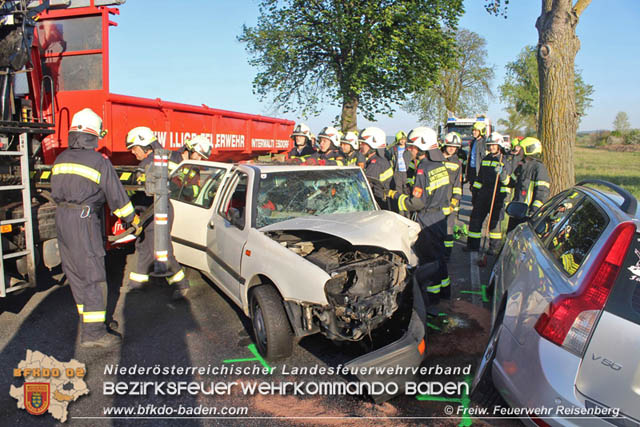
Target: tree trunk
x=557, y=118
x=349, y=118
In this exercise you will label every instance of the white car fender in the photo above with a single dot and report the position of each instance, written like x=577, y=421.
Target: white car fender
x=295, y=278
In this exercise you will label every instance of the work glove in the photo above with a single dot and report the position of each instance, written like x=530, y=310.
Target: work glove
x=391, y=194
x=498, y=169
x=136, y=224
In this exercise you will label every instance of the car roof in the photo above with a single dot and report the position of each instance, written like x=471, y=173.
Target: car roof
x=273, y=167
x=613, y=201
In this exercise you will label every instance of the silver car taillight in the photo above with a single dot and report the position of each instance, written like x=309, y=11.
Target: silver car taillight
x=569, y=319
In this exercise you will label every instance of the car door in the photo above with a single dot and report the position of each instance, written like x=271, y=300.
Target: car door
x=609, y=374
x=227, y=233
x=193, y=191
x=533, y=268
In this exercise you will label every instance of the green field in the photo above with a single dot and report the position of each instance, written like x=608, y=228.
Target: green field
x=622, y=168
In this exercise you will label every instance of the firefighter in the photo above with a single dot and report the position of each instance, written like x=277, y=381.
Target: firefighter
x=400, y=159
x=302, y=139
x=186, y=149
x=429, y=196
x=530, y=179
x=81, y=181
x=377, y=168
x=142, y=142
x=328, y=153
x=477, y=150
x=451, y=144
x=490, y=196
x=351, y=155
x=189, y=177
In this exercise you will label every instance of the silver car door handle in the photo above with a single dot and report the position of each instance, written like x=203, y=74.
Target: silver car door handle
x=211, y=225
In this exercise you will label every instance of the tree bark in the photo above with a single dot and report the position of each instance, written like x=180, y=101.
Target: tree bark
x=558, y=118
x=349, y=118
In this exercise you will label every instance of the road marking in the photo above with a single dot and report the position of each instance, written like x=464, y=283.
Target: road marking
x=257, y=358
x=464, y=400
x=483, y=292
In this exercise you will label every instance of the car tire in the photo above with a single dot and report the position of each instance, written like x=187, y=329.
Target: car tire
x=271, y=327
x=483, y=392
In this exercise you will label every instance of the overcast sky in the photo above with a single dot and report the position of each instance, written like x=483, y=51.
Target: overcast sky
x=187, y=52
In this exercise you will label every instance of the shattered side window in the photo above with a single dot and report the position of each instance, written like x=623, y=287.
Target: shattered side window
x=286, y=195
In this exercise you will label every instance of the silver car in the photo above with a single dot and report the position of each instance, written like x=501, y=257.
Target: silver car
x=565, y=339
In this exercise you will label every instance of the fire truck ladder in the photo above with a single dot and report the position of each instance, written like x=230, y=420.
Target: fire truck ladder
x=25, y=224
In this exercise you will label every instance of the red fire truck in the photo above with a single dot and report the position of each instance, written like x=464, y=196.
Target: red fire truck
x=54, y=61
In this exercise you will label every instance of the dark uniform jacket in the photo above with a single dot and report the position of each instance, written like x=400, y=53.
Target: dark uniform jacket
x=329, y=158
x=306, y=151
x=430, y=194
x=354, y=158
x=174, y=160
x=486, y=180
x=82, y=180
x=454, y=167
x=379, y=173
x=531, y=181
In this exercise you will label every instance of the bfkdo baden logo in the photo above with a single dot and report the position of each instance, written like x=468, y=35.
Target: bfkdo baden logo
x=49, y=385
x=36, y=398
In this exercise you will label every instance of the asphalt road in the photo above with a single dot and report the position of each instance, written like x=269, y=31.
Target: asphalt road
x=206, y=330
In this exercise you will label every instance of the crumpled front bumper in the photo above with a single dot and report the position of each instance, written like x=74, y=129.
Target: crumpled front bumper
x=409, y=351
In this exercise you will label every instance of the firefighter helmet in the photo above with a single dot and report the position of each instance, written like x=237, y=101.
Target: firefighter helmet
x=350, y=138
x=331, y=134
x=480, y=127
x=87, y=121
x=141, y=136
x=400, y=135
x=374, y=137
x=301, y=130
x=495, y=139
x=424, y=138
x=531, y=146
x=515, y=142
x=202, y=146
x=453, y=139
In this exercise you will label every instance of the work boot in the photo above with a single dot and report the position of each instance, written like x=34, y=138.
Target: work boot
x=106, y=341
x=179, y=294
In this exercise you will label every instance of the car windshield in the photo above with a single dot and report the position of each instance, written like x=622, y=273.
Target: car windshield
x=286, y=195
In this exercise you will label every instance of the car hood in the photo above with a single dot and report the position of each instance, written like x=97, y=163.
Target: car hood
x=375, y=228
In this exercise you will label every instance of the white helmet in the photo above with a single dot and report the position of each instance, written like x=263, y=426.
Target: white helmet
x=301, y=130
x=141, y=136
x=374, y=137
x=88, y=122
x=350, y=138
x=424, y=138
x=332, y=134
x=453, y=139
x=201, y=145
x=496, y=139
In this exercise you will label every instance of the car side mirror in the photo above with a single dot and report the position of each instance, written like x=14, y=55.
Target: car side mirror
x=235, y=218
x=518, y=210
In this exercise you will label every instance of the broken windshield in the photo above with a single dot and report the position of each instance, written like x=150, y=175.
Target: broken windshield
x=286, y=195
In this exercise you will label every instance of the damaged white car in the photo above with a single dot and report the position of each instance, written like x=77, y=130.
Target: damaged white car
x=301, y=250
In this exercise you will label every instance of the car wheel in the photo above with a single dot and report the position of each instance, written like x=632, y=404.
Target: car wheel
x=483, y=392
x=271, y=327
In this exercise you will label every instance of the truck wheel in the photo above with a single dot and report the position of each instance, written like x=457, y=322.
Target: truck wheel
x=271, y=327
x=483, y=392
x=44, y=221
